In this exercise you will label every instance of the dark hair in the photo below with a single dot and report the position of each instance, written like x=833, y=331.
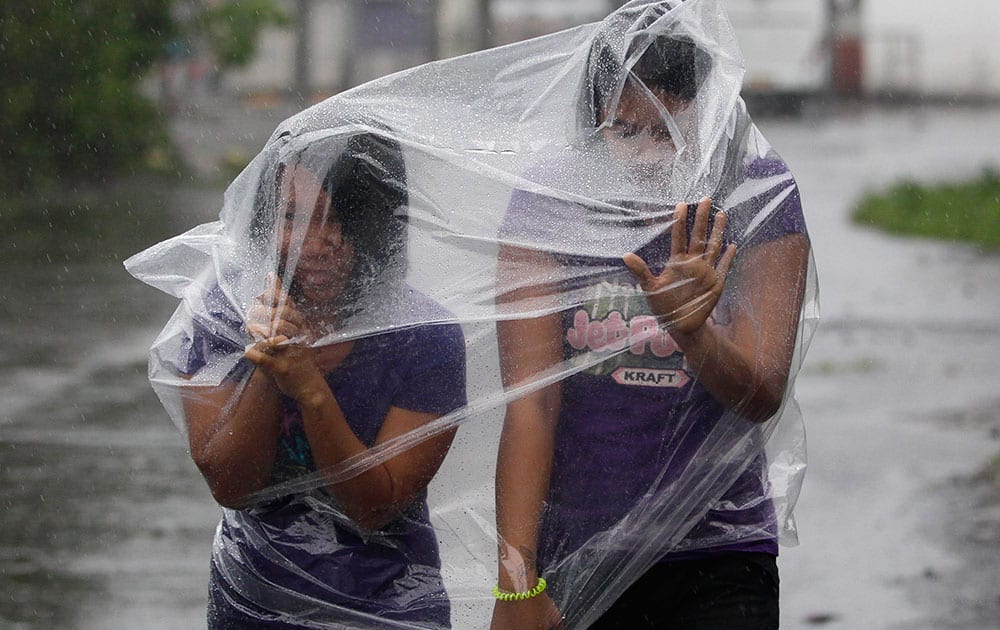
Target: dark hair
x=365, y=177
x=367, y=187
x=671, y=63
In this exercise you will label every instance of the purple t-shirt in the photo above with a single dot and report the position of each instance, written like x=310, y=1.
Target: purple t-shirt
x=295, y=542
x=630, y=425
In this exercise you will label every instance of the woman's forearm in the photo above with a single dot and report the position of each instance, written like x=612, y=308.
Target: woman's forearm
x=332, y=442
x=375, y=496
x=233, y=433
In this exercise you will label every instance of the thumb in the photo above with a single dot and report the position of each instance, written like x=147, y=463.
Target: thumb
x=258, y=353
x=639, y=269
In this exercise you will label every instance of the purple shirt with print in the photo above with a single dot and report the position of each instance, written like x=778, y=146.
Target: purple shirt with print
x=299, y=544
x=630, y=425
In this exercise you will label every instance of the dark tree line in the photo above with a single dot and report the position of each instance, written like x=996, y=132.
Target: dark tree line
x=71, y=108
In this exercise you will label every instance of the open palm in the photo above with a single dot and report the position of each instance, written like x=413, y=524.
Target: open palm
x=687, y=290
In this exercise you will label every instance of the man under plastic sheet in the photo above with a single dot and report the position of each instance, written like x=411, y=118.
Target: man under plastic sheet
x=370, y=261
x=699, y=349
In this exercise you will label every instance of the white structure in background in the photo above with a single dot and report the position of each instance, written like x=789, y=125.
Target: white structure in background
x=346, y=43
x=912, y=48
x=909, y=47
x=784, y=44
x=932, y=47
x=273, y=68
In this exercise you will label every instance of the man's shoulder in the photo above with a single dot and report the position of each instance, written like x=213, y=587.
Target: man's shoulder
x=766, y=166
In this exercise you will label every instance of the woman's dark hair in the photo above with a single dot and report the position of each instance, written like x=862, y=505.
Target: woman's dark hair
x=671, y=63
x=367, y=188
x=364, y=176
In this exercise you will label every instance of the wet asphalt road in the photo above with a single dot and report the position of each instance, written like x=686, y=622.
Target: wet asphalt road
x=899, y=389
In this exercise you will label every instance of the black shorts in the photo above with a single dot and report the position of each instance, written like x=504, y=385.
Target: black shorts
x=227, y=610
x=735, y=591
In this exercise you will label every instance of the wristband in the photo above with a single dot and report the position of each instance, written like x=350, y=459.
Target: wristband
x=506, y=596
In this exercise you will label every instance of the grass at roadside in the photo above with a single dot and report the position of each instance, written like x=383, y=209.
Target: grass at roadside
x=967, y=211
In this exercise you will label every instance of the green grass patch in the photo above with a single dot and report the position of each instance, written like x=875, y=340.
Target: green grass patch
x=968, y=211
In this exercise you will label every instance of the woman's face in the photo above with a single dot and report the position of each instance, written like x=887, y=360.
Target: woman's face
x=637, y=132
x=317, y=258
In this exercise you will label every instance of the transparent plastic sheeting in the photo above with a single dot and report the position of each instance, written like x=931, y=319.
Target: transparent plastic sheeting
x=335, y=361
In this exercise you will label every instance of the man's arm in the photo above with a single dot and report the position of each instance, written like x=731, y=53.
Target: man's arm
x=744, y=365
x=528, y=347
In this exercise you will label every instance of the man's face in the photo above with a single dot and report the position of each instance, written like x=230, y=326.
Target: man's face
x=638, y=132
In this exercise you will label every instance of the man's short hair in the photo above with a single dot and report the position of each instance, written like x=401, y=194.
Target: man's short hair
x=670, y=63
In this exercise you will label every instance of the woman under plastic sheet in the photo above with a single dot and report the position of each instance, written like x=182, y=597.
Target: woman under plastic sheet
x=699, y=328
x=650, y=435
x=346, y=550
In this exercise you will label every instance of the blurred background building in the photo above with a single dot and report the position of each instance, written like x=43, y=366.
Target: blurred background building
x=794, y=48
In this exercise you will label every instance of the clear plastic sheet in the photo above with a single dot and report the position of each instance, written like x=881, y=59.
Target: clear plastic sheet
x=411, y=339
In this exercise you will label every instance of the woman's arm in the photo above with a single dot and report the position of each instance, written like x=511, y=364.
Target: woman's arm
x=528, y=347
x=745, y=364
x=233, y=428
x=374, y=497
x=233, y=433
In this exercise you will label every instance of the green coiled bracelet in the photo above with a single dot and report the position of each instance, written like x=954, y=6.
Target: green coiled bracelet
x=506, y=596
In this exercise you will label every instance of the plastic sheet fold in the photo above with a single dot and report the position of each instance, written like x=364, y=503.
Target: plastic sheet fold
x=413, y=339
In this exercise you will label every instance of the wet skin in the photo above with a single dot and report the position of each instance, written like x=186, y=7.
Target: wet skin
x=312, y=240
x=638, y=131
